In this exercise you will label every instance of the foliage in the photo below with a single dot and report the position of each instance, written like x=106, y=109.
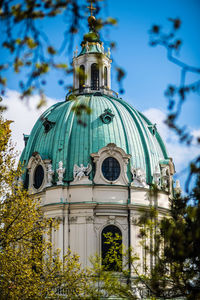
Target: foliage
x=110, y=276
x=176, y=95
x=176, y=270
x=173, y=244
x=113, y=258
x=28, y=268
x=31, y=51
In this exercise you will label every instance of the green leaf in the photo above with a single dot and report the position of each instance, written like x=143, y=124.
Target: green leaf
x=111, y=21
x=31, y=43
x=51, y=50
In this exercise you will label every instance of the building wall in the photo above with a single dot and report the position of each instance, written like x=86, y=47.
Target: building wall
x=83, y=212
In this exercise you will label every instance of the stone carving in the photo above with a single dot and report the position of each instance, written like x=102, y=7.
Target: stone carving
x=139, y=177
x=156, y=176
x=59, y=219
x=111, y=148
x=111, y=220
x=164, y=171
x=60, y=171
x=50, y=173
x=178, y=189
x=89, y=219
x=80, y=172
x=165, y=178
x=135, y=221
x=73, y=219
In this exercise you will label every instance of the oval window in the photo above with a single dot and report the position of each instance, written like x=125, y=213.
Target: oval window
x=111, y=168
x=38, y=177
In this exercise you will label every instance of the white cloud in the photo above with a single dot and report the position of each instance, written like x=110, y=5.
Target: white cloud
x=196, y=133
x=23, y=113
x=181, y=153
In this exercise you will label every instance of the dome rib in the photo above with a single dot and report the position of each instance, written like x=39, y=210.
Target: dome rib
x=146, y=152
x=160, y=141
x=125, y=134
x=72, y=143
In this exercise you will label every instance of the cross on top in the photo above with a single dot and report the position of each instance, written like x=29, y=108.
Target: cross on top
x=91, y=8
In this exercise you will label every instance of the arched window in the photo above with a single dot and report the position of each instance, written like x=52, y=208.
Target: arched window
x=81, y=77
x=105, y=77
x=94, y=77
x=111, y=248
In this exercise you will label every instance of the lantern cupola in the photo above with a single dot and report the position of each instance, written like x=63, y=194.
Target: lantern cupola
x=92, y=66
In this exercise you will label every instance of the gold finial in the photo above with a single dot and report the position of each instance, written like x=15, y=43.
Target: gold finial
x=91, y=8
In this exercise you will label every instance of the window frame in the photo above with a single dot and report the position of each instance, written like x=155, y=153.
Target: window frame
x=111, y=150
x=114, y=159
x=81, y=78
x=36, y=182
x=105, y=76
x=116, y=231
x=95, y=80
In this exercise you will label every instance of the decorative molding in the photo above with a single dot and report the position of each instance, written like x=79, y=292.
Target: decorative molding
x=134, y=220
x=35, y=161
x=124, y=227
x=89, y=219
x=107, y=116
x=50, y=173
x=139, y=177
x=73, y=219
x=59, y=219
x=165, y=178
x=48, y=125
x=111, y=220
x=111, y=150
x=157, y=176
x=177, y=188
x=97, y=228
x=167, y=171
x=81, y=174
x=60, y=171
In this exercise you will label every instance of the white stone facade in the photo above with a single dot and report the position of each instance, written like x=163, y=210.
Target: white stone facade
x=84, y=208
x=87, y=60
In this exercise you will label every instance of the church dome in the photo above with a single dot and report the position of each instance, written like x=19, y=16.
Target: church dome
x=92, y=159
x=60, y=134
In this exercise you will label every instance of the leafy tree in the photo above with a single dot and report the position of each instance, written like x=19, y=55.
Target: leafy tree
x=175, y=272
x=176, y=269
x=177, y=95
x=31, y=51
x=28, y=268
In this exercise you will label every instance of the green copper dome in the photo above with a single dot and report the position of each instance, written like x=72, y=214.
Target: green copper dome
x=59, y=135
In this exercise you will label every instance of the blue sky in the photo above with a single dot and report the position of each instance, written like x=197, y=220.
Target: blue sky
x=148, y=72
